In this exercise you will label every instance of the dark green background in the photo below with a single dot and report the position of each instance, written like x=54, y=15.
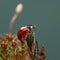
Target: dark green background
x=43, y=13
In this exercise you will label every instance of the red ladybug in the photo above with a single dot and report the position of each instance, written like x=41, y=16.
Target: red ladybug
x=22, y=32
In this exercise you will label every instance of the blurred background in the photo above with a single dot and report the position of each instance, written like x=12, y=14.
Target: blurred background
x=43, y=13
